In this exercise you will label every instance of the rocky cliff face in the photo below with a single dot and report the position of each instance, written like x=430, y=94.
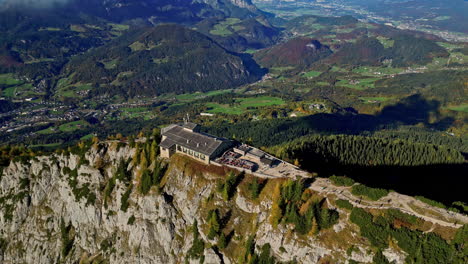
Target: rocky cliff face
x=60, y=209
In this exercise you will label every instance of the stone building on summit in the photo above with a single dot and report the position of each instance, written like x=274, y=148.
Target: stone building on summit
x=188, y=140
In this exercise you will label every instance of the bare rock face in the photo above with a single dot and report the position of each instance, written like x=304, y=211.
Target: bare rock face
x=58, y=208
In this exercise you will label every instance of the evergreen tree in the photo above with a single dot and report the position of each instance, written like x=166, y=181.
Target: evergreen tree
x=145, y=182
x=222, y=241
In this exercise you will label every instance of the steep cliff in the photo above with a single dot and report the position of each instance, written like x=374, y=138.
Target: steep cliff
x=90, y=205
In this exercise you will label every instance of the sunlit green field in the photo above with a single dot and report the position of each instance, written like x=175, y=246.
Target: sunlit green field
x=243, y=105
x=359, y=84
x=460, y=108
x=199, y=95
x=312, y=74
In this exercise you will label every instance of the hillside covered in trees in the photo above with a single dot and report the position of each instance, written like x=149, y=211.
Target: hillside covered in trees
x=298, y=52
x=163, y=59
x=398, y=164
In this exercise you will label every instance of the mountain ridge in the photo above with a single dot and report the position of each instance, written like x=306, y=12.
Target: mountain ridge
x=148, y=210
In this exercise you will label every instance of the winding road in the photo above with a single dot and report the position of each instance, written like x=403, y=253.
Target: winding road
x=392, y=201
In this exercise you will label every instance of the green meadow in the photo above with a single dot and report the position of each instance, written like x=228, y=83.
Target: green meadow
x=459, y=108
x=360, y=84
x=243, y=105
x=199, y=95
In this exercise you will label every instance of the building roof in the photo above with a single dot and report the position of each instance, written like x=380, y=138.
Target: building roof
x=196, y=141
x=256, y=152
x=190, y=125
x=267, y=161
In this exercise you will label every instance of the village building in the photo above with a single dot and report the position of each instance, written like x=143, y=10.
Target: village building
x=187, y=139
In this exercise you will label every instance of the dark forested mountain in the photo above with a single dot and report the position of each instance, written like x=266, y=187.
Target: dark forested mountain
x=38, y=39
x=366, y=51
x=155, y=11
x=298, y=52
x=406, y=50
x=239, y=35
x=166, y=58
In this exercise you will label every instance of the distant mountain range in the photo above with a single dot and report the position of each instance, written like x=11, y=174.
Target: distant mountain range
x=39, y=40
x=185, y=11
x=81, y=49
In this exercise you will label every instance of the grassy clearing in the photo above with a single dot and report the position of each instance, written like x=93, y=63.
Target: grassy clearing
x=312, y=74
x=199, y=95
x=8, y=80
x=375, y=99
x=50, y=29
x=323, y=83
x=9, y=92
x=459, y=108
x=386, y=42
x=224, y=28
x=220, y=30
x=137, y=46
x=338, y=69
x=237, y=28
x=47, y=131
x=66, y=89
x=64, y=82
x=224, y=109
x=87, y=137
x=244, y=104
x=160, y=61
x=377, y=71
x=365, y=25
x=251, y=51
x=441, y=18
x=134, y=109
x=78, y=28
x=449, y=46
x=20, y=91
x=280, y=70
x=137, y=112
x=72, y=126
x=51, y=145
x=110, y=64
x=344, y=30
x=331, y=36
x=119, y=27
x=39, y=60
x=359, y=84
x=458, y=57
x=120, y=76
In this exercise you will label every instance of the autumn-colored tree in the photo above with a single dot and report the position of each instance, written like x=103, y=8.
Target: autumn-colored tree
x=143, y=161
x=276, y=212
x=296, y=163
x=136, y=155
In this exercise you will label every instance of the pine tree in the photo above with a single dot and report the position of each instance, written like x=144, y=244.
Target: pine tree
x=145, y=182
x=222, y=242
x=153, y=151
x=143, y=161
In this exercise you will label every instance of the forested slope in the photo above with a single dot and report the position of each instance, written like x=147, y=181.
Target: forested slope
x=163, y=59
